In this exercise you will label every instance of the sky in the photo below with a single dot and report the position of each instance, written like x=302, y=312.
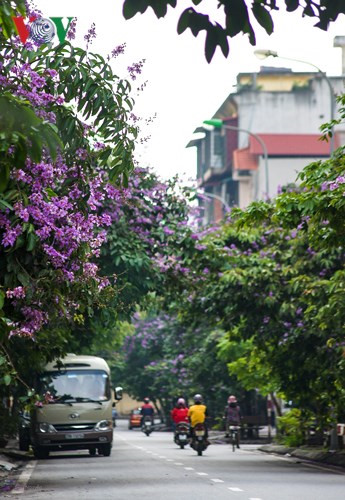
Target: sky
x=182, y=89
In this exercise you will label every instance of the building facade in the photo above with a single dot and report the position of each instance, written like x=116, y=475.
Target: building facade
x=271, y=130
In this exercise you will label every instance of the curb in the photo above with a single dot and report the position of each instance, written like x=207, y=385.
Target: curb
x=321, y=456
x=17, y=454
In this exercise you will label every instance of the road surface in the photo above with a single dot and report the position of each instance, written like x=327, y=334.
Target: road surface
x=153, y=467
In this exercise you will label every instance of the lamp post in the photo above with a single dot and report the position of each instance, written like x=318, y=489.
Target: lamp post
x=217, y=123
x=216, y=197
x=263, y=54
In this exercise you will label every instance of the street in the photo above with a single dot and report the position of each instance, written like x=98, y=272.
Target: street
x=154, y=466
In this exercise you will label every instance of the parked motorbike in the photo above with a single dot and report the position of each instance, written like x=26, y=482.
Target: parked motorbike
x=147, y=426
x=199, y=441
x=181, y=434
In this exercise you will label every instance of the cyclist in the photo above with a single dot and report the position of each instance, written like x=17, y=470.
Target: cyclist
x=233, y=415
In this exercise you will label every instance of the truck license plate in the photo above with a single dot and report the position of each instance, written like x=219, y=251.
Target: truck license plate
x=77, y=435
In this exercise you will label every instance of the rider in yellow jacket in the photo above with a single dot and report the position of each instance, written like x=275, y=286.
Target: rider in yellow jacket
x=197, y=413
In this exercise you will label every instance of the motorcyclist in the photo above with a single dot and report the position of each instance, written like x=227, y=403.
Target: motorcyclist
x=147, y=410
x=180, y=412
x=233, y=413
x=197, y=414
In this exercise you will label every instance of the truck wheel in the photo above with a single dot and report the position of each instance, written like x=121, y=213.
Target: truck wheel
x=105, y=449
x=40, y=452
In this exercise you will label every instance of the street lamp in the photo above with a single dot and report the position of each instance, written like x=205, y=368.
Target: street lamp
x=217, y=123
x=216, y=197
x=263, y=54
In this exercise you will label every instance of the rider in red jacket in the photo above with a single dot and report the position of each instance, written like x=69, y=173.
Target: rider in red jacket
x=147, y=411
x=180, y=412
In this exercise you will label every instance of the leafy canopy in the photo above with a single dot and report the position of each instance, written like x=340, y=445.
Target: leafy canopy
x=238, y=17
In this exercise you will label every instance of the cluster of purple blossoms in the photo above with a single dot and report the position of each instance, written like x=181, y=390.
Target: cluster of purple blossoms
x=61, y=228
x=91, y=34
x=18, y=293
x=72, y=29
x=26, y=83
x=332, y=185
x=135, y=69
x=120, y=49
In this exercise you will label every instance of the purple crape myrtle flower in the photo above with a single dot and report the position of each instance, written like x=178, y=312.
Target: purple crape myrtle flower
x=91, y=34
x=18, y=293
x=168, y=231
x=135, y=69
x=120, y=49
x=72, y=29
x=10, y=236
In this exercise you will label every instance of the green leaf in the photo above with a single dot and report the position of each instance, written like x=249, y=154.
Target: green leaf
x=32, y=240
x=23, y=278
x=7, y=379
x=210, y=44
x=263, y=17
x=4, y=177
x=4, y=204
x=2, y=300
x=291, y=5
x=183, y=22
x=132, y=7
x=236, y=17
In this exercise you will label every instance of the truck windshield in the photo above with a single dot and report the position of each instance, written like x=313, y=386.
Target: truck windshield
x=76, y=385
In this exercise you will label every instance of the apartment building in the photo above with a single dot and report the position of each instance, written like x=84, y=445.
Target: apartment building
x=271, y=130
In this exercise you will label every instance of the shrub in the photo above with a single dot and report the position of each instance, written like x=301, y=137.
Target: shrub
x=291, y=428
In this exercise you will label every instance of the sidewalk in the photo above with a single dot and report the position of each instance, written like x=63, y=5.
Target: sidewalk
x=6, y=467
x=312, y=453
x=218, y=437
x=11, y=460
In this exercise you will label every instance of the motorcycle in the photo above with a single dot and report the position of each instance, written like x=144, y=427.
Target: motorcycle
x=199, y=441
x=181, y=434
x=147, y=426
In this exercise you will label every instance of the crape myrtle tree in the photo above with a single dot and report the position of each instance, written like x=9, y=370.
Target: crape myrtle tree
x=79, y=244
x=272, y=277
x=163, y=360
x=66, y=140
x=239, y=17
x=150, y=222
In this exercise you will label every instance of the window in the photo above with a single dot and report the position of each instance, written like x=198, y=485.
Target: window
x=76, y=385
x=218, y=143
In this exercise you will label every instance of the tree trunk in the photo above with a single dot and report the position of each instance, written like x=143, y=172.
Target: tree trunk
x=276, y=404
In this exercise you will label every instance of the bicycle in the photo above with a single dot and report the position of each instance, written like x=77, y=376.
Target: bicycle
x=234, y=436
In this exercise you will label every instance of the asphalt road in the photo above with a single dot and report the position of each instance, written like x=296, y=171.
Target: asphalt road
x=153, y=467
